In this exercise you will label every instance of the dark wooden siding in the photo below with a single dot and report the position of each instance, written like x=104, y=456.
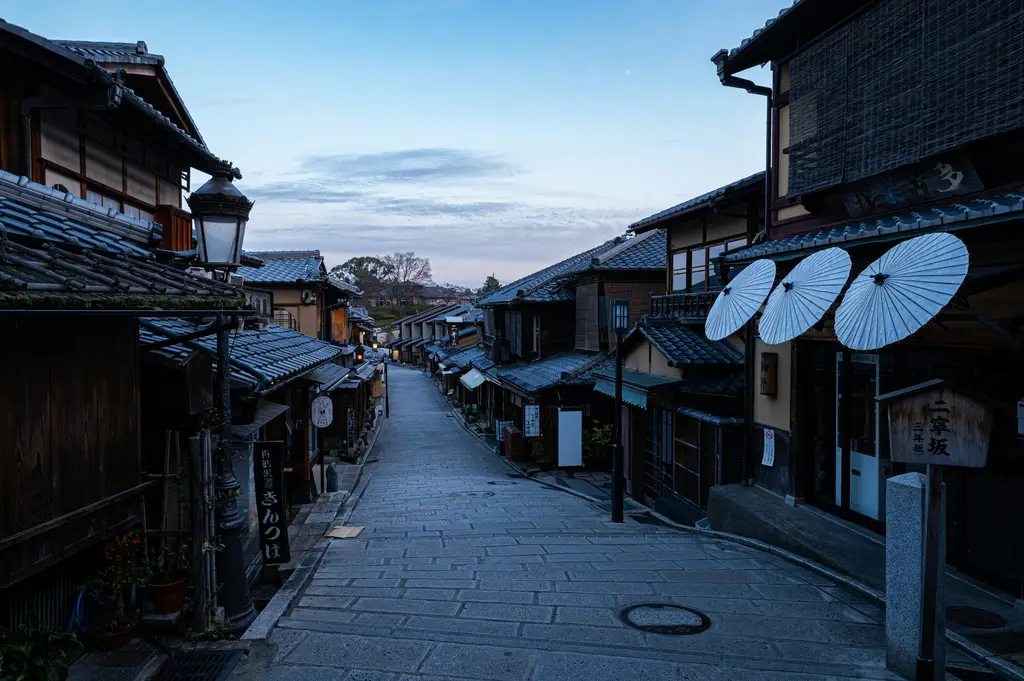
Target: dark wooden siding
x=514, y=331
x=639, y=296
x=587, y=313
x=69, y=410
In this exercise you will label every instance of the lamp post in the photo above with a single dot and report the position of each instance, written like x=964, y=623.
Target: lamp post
x=620, y=320
x=220, y=212
x=387, y=388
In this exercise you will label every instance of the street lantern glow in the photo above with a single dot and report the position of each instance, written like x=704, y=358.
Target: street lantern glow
x=375, y=346
x=220, y=212
x=620, y=315
x=360, y=351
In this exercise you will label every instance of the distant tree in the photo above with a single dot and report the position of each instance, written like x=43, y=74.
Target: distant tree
x=406, y=273
x=490, y=284
x=366, y=272
x=450, y=293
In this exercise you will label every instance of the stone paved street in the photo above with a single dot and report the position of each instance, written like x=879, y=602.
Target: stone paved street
x=466, y=573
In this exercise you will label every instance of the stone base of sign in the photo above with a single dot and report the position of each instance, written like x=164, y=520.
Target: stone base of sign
x=904, y=562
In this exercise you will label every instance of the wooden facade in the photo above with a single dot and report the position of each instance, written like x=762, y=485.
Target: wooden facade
x=70, y=469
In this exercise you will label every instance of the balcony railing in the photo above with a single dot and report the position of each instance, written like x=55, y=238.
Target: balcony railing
x=684, y=306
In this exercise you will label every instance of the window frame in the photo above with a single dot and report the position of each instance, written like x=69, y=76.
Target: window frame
x=728, y=243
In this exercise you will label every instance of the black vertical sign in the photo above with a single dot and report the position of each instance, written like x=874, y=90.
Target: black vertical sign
x=270, y=502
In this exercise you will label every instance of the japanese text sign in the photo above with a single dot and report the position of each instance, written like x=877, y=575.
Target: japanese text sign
x=932, y=423
x=270, y=502
x=531, y=420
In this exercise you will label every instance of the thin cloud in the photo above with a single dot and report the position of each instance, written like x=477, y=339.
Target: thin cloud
x=409, y=165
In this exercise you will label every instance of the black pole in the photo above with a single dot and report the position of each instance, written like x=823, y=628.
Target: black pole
x=233, y=590
x=618, y=480
x=387, y=392
x=929, y=597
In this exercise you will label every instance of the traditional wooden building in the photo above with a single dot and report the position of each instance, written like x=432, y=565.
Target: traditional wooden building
x=546, y=333
x=415, y=332
x=847, y=171
x=682, y=393
x=94, y=156
x=305, y=297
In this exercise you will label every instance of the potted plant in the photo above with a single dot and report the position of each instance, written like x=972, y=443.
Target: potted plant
x=112, y=618
x=168, y=579
x=33, y=652
x=596, y=441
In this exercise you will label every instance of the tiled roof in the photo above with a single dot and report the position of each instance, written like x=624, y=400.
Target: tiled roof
x=959, y=215
x=106, y=77
x=468, y=331
x=735, y=52
x=343, y=285
x=60, y=252
x=463, y=358
x=424, y=314
x=366, y=370
x=359, y=314
x=539, y=283
x=260, y=359
x=461, y=309
x=328, y=375
x=683, y=344
x=729, y=383
x=567, y=368
x=698, y=203
x=130, y=53
x=646, y=251
x=284, y=267
x=642, y=379
x=34, y=210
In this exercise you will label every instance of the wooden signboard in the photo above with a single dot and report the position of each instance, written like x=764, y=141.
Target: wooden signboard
x=270, y=502
x=931, y=423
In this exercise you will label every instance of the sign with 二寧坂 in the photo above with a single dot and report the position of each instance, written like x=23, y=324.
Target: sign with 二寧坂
x=932, y=423
x=273, y=525
x=531, y=420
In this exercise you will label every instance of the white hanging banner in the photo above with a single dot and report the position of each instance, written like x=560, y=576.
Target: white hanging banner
x=768, y=458
x=322, y=411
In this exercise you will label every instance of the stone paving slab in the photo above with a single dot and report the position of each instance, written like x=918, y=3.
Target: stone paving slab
x=456, y=578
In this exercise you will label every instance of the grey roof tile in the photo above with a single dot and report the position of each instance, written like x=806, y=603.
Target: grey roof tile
x=683, y=344
x=539, y=285
x=699, y=202
x=260, y=359
x=957, y=215
x=566, y=368
x=646, y=251
x=284, y=267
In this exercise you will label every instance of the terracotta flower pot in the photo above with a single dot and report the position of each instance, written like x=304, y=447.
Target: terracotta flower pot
x=113, y=640
x=168, y=598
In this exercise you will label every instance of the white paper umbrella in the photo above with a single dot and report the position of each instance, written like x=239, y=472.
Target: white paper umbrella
x=740, y=299
x=901, y=291
x=804, y=295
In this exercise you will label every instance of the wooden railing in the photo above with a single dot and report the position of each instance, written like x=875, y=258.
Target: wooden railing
x=685, y=306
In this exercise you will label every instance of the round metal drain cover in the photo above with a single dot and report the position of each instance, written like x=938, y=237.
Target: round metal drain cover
x=663, y=618
x=501, y=482
x=975, y=618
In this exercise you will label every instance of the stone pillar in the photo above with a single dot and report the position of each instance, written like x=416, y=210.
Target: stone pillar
x=905, y=504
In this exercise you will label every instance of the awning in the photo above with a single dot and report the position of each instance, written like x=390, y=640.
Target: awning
x=447, y=372
x=474, y=379
x=265, y=413
x=637, y=398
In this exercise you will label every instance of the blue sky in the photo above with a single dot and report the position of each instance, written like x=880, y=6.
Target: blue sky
x=489, y=135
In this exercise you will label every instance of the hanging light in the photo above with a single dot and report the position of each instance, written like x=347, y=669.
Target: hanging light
x=360, y=352
x=220, y=212
x=375, y=346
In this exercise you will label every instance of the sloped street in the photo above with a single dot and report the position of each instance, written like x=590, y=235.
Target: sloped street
x=464, y=572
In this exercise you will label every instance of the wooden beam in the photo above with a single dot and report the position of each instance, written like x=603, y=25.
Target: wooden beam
x=43, y=528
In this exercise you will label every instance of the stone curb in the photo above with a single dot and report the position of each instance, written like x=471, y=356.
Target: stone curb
x=296, y=583
x=1004, y=669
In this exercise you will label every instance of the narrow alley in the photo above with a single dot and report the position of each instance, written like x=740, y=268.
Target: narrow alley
x=465, y=572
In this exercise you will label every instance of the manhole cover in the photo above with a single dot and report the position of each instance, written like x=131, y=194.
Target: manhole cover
x=199, y=665
x=662, y=618
x=501, y=482
x=975, y=618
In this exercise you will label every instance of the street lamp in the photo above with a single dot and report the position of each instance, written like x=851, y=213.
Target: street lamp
x=220, y=212
x=620, y=322
x=360, y=353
